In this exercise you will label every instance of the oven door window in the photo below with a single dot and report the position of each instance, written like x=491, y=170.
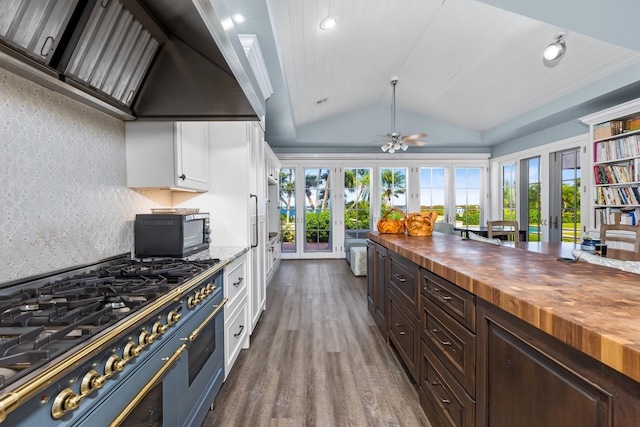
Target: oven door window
x=149, y=411
x=201, y=349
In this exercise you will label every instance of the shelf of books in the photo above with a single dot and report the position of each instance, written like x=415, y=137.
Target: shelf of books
x=615, y=134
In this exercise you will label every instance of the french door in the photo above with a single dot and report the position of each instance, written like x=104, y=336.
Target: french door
x=307, y=216
x=549, y=191
x=564, y=196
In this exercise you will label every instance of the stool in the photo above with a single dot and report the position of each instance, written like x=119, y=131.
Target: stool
x=351, y=243
x=359, y=261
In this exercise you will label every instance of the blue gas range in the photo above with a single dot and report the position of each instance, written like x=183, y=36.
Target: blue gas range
x=117, y=342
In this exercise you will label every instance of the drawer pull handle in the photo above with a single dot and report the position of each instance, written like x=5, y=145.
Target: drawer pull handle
x=400, y=278
x=445, y=400
x=399, y=325
x=236, y=284
x=446, y=298
x=435, y=332
x=435, y=383
x=239, y=332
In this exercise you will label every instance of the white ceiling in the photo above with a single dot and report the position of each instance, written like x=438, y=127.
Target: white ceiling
x=460, y=63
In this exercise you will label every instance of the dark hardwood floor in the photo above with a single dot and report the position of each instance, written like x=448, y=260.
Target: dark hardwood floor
x=317, y=359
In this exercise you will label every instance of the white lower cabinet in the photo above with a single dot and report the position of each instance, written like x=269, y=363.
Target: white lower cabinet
x=272, y=257
x=236, y=315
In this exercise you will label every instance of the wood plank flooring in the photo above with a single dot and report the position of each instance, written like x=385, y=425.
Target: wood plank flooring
x=317, y=359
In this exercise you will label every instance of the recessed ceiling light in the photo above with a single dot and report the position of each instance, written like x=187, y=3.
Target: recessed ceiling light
x=238, y=18
x=328, y=22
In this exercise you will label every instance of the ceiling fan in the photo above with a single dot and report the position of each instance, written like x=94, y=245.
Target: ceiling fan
x=396, y=140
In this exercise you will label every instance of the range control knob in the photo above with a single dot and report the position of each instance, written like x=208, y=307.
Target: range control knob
x=92, y=381
x=147, y=338
x=131, y=350
x=193, y=301
x=159, y=328
x=114, y=365
x=173, y=317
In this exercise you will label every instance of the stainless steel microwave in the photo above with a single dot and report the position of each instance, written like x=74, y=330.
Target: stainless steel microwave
x=171, y=234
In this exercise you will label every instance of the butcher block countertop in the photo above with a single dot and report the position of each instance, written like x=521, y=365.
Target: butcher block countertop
x=592, y=308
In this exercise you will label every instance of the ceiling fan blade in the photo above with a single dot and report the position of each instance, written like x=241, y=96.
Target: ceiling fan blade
x=413, y=142
x=415, y=136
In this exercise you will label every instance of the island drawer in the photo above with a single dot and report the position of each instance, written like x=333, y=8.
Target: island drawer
x=451, y=342
x=445, y=402
x=405, y=281
x=405, y=336
x=452, y=299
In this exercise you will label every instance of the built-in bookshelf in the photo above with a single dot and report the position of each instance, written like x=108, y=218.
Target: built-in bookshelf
x=615, y=136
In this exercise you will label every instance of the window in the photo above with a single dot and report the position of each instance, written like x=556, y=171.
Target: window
x=393, y=186
x=509, y=192
x=357, y=203
x=288, y=209
x=432, y=191
x=468, y=192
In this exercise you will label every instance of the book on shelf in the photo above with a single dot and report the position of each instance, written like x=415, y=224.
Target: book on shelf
x=617, y=196
x=620, y=148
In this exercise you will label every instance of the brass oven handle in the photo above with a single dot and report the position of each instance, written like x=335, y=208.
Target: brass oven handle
x=148, y=386
x=197, y=330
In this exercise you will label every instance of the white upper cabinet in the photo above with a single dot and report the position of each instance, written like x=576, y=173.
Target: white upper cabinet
x=170, y=155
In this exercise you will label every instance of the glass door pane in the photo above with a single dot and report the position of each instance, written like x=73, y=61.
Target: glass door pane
x=468, y=192
x=287, y=206
x=565, y=196
x=317, y=221
x=432, y=191
x=393, y=186
x=509, y=192
x=531, y=185
x=357, y=203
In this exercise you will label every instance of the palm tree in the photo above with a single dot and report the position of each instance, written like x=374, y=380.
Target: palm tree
x=287, y=188
x=362, y=180
x=393, y=184
x=326, y=177
x=310, y=181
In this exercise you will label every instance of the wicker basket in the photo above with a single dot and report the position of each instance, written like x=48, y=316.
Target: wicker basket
x=421, y=223
x=391, y=226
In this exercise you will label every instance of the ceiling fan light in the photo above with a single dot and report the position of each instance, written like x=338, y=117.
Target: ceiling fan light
x=385, y=147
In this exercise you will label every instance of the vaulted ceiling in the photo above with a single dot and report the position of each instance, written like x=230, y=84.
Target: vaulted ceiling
x=470, y=73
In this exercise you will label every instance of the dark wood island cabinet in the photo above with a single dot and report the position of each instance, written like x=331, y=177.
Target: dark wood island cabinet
x=506, y=337
x=377, y=285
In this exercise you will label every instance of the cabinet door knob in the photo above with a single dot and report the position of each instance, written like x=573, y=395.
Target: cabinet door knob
x=183, y=177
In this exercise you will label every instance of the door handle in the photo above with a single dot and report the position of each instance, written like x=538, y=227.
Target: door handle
x=257, y=232
x=555, y=222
